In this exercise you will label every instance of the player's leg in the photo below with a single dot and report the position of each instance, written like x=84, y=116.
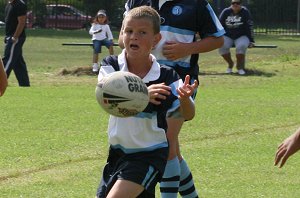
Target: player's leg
x=110, y=46
x=241, y=45
x=170, y=182
x=224, y=51
x=9, y=56
x=21, y=72
x=187, y=187
x=125, y=189
x=97, y=50
x=111, y=50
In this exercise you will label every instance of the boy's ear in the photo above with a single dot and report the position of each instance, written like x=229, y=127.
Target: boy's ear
x=157, y=38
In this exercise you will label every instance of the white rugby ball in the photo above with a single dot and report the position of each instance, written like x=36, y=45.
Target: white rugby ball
x=122, y=94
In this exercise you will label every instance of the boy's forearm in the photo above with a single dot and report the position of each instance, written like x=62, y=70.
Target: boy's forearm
x=205, y=45
x=187, y=109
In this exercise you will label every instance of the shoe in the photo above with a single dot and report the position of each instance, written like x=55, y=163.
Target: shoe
x=229, y=71
x=95, y=68
x=241, y=72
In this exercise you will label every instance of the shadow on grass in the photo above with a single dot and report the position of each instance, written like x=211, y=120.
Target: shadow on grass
x=249, y=72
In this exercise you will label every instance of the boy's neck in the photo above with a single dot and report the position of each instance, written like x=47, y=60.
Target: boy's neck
x=139, y=67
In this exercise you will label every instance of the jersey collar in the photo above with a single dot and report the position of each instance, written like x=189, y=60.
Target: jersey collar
x=153, y=73
x=161, y=3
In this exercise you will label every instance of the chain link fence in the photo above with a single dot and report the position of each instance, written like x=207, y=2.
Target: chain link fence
x=270, y=16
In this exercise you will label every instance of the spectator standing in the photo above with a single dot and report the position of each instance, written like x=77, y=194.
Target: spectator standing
x=15, y=21
x=101, y=35
x=238, y=25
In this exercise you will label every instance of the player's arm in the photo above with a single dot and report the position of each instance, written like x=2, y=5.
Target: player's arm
x=287, y=148
x=3, y=79
x=20, y=27
x=176, y=50
x=187, y=107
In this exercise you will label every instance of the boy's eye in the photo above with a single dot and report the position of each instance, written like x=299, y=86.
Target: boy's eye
x=128, y=31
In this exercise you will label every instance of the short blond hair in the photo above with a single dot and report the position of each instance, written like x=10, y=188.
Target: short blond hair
x=145, y=12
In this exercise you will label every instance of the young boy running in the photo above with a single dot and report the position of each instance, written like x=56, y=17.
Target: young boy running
x=138, y=145
x=181, y=20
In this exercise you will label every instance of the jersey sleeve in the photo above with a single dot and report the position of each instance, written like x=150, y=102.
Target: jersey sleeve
x=21, y=9
x=209, y=24
x=108, y=65
x=172, y=79
x=136, y=3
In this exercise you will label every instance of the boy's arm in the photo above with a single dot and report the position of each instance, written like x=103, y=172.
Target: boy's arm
x=176, y=50
x=287, y=148
x=187, y=107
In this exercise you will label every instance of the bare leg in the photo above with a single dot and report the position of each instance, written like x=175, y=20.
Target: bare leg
x=95, y=58
x=174, y=126
x=111, y=50
x=240, y=61
x=228, y=59
x=125, y=189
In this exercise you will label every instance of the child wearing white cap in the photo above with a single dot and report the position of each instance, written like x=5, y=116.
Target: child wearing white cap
x=101, y=35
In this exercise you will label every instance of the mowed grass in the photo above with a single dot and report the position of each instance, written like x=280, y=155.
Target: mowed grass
x=53, y=134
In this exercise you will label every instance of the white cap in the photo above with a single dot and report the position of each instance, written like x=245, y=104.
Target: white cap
x=101, y=13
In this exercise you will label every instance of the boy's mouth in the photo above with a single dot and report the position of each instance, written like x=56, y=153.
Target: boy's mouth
x=134, y=46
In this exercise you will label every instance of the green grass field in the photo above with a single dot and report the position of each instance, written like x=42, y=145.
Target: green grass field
x=53, y=134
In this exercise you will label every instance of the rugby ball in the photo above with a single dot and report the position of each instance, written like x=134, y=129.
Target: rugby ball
x=122, y=94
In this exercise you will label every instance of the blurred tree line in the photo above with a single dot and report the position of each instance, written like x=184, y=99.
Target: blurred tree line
x=265, y=12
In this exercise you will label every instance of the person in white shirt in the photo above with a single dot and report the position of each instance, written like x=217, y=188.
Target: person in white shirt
x=101, y=35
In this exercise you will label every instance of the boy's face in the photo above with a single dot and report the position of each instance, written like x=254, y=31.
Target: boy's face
x=139, y=37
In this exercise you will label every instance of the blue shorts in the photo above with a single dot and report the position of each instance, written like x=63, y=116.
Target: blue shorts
x=143, y=168
x=97, y=44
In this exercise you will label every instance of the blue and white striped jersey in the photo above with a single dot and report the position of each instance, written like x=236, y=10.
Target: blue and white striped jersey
x=147, y=130
x=180, y=21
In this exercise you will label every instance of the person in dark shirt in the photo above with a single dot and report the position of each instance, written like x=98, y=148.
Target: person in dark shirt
x=15, y=21
x=238, y=24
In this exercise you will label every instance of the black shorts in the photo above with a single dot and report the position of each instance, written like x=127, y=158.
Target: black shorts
x=143, y=168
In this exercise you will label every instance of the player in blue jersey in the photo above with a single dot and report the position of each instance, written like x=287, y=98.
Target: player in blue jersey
x=138, y=145
x=238, y=24
x=181, y=20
